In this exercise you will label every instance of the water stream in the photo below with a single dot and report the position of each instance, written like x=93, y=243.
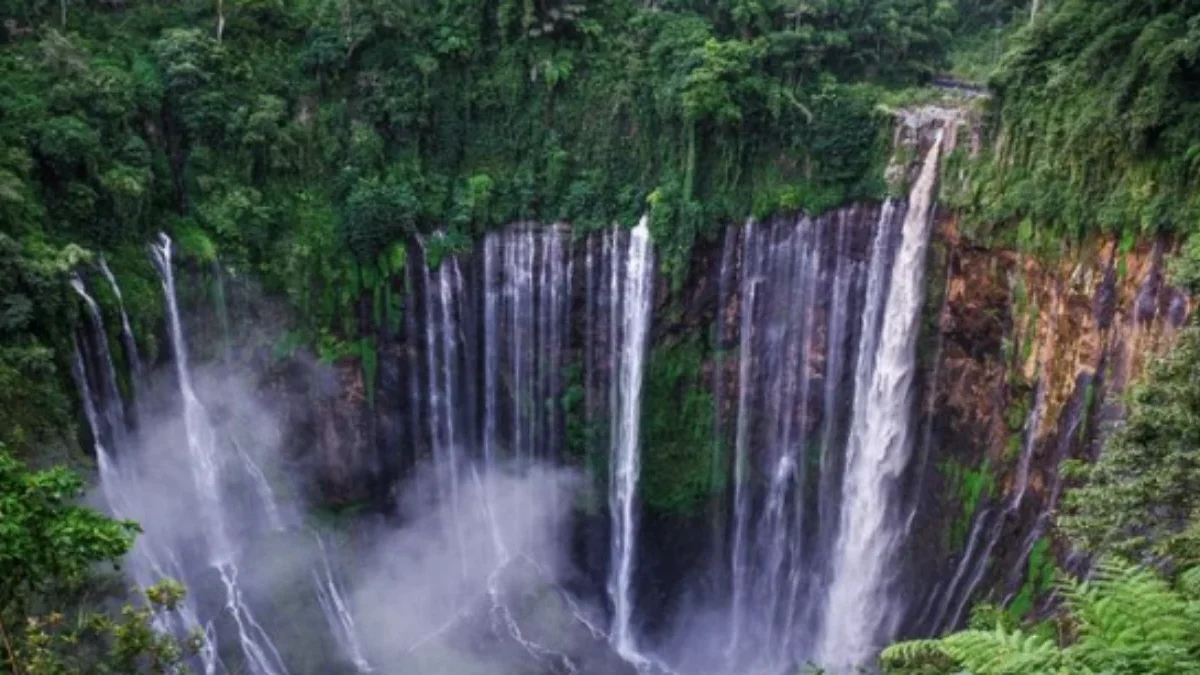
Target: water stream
x=818, y=321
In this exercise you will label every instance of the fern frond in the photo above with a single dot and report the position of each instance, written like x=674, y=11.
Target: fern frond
x=914, y=654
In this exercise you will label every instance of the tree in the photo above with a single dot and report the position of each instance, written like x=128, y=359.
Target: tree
x=48, y=543
x=1141, y=494
x=49, y=549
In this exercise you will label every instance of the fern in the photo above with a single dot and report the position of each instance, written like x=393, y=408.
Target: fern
x=1126, y=619
x=915, y=655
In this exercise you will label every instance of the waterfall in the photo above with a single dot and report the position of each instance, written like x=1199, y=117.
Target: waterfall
x=109, y=483
x=337, y=613
x=630, y=283
x=976, y=559
x=862, y=613
x=526, y=296
x=802, y=283
x=127, y=336
x=206, y=467
x=821, y=314
x=446, y=396
x=218, y=467
x=489, y=394
x=738, y=575
x=1071, y=422
x=112, y=433
x=111, y=437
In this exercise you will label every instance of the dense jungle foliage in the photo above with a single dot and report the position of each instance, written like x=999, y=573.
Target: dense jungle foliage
x=1095, y=123
x=304, y=140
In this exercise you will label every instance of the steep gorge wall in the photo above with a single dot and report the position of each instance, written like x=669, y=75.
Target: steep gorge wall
x=1023, y=361
x=1033, y=356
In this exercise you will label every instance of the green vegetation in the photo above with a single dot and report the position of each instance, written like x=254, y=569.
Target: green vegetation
x=49, y=552
x=968, y=487
x=302, y=143
x=1039, y=580
x=678, y=417
x=1125, y=620
x=1095, y=123
x=34, y=405
x=1140, y=496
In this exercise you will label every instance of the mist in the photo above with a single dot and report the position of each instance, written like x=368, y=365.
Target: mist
x=475, y=585
x=464, y=580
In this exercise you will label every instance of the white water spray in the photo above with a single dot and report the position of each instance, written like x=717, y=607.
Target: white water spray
x=862, y=614
x=337, y=613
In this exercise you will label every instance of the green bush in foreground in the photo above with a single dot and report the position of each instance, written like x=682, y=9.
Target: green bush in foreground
x=50, y=548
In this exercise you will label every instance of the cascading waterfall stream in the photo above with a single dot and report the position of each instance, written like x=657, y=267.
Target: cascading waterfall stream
x=633, y=275
x=111, y=436
x=128, y=340
x=115, y=426
x=337, y=613
x=526, y=297
x=801, y=285
x=262, y=658
x=862, y=613
x=523, y=289
x=446, y=400
x=109, y=481
x=976, y=559
x=750, y=285
x=972, y=568
x=216, y=453
x=1075, y=415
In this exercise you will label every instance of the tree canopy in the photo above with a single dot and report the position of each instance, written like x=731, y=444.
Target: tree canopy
x=304, y=141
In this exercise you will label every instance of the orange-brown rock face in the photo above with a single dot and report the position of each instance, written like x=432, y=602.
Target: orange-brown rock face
x=1012, y=323
x=1033, y=355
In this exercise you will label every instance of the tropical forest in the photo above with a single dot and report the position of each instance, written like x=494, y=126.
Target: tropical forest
x=599, y=337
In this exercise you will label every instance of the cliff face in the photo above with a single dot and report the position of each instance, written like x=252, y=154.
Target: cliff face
x=1022, y=362
x=1032, y=358
x=1012, y=323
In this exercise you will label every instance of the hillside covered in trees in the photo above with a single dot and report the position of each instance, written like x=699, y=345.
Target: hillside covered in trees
x=302, y=140
x=304, y=144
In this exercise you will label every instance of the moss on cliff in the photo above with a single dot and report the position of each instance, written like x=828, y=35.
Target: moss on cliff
x=678, y=445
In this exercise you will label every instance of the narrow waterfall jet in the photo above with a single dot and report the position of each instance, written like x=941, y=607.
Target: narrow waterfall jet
x=631, y=278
